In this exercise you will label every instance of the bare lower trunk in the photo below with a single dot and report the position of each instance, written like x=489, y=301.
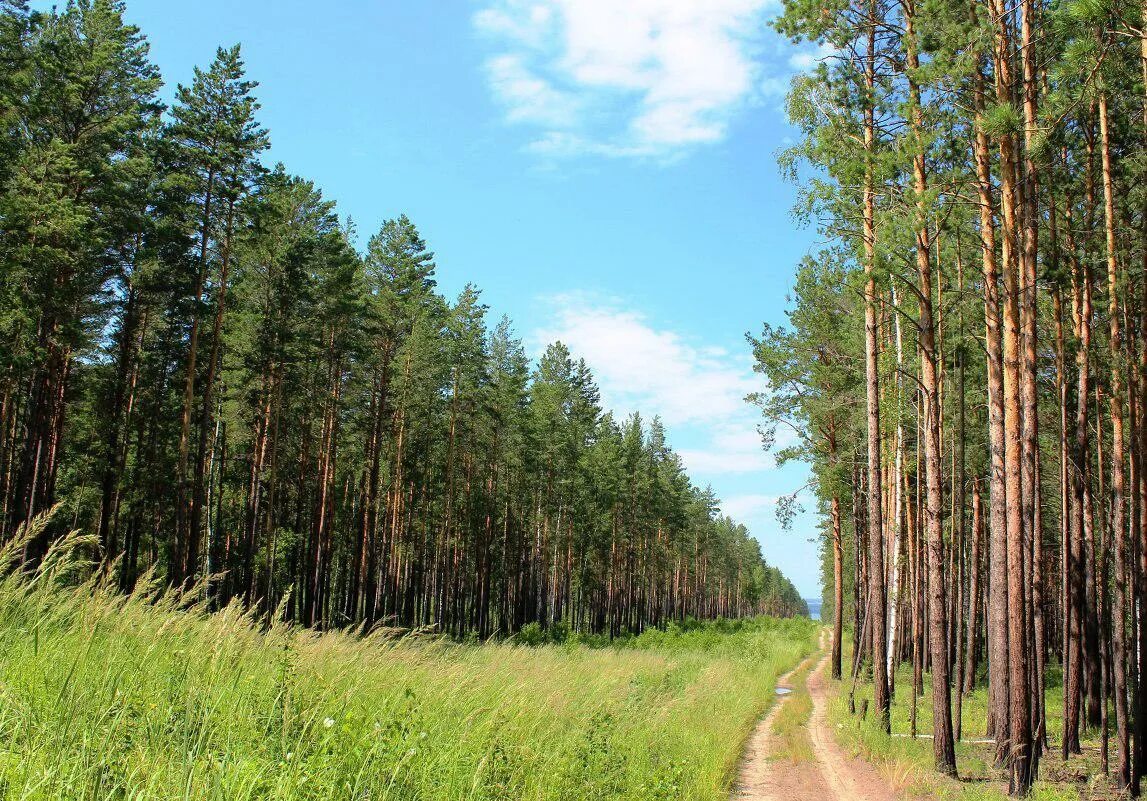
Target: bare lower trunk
x=942, y=740
x=997, y=492
x=1081, y=309
x=1120, y=655
x=1019, y=751
x=876, y=592
x=838, y=589
x=974, y=590
x=1028, y=311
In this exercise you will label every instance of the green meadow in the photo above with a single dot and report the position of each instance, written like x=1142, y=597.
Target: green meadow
x=105, y=696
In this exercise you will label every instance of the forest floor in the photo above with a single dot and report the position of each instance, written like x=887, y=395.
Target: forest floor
x=793, y=754
x=906, y=761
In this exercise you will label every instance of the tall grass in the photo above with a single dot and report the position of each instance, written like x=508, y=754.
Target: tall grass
x=104, y=696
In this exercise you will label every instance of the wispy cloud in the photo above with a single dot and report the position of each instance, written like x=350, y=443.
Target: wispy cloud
x=647, y=78
x=807, y=58
x=745, y=507
x=695, y=389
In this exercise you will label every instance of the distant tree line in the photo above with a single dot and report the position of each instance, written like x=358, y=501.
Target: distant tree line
x=965, y=362
x=197, y=364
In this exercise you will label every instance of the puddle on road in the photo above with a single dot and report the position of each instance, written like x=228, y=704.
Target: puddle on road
x=784, y=690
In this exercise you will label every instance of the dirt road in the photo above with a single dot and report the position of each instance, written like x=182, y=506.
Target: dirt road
x=831, y=774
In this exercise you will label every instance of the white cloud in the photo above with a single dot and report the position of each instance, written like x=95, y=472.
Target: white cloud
x=804, y=60
x=713, y=461
x=649, y=369
x=774, y=86
x=636, y=78
x=695, y=389
x=745, y=507
x=528, y=97
x=732, y=447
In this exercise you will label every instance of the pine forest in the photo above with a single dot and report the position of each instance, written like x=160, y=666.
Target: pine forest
x=966, y=361
x=200, y=368
x=234, y=426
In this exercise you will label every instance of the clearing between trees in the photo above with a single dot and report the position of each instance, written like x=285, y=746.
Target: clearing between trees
x=104, y=696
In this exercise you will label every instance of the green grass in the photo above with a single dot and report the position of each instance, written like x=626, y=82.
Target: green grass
x=109, y=697
x=908, y=763
x=791, y=723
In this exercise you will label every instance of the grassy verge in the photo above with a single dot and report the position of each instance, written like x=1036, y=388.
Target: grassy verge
x=908, y=762
x=791, y=723
x=107, y=697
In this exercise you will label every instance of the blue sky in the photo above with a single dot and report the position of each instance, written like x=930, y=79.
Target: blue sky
x=605, y=172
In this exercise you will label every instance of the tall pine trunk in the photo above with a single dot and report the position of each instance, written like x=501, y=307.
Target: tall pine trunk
x=1019, y=741
x=943, y=746
x=997, y=492
x=1120, y=655
x=877, y=600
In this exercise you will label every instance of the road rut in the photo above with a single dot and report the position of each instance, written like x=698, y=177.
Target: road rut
x=764, y=775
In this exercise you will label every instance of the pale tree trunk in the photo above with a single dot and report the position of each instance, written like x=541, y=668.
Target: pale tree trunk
x=1091, y=654
x=958, y=500
x=184, y=499
x=1064, y=495
x=195, y=520
x=838, y=588
x=1028, y=311
x=916, y=553
x=897, y=511
x=1120, y=655
x=876, y=591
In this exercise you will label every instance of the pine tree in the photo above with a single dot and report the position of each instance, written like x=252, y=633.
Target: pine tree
x=87, y=102
x=213, y=143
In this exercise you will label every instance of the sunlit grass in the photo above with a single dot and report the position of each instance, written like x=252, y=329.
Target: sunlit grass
x=791, y=723
x=108, y=697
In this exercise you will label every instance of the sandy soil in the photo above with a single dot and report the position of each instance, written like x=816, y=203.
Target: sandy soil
x=833, y=775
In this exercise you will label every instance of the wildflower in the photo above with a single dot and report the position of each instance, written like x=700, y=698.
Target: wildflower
x=328, y=722
x=421, y=735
